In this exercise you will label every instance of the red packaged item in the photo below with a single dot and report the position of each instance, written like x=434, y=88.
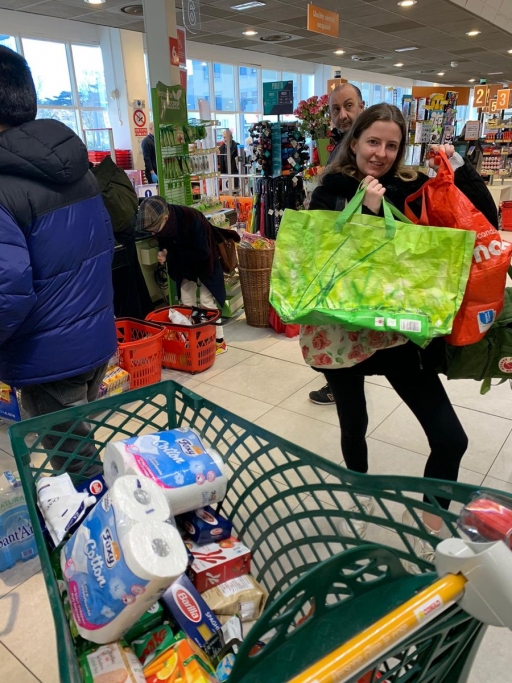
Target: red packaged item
x=216, y=563
x=444, y=205
x=487, y=518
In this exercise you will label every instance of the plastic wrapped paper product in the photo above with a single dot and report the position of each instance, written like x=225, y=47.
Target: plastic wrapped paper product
x=113, y=663
x=121, y=559
x=190, y=475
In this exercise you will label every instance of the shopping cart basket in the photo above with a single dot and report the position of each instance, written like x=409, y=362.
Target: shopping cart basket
x=325, y=582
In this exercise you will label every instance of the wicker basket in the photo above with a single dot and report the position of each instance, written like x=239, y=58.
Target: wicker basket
x=254, y=267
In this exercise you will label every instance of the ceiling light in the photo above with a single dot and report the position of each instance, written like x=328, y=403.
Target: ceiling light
x=248, y=5
x=472, y=80
x=441, y=73
x=495, y=73
x=405, y=49
x=473, y=33
x=250, y=33
x=406, y=3
x=399, y=64
x=509, y=52
x=95, y=2
x=339, y=52
x=133, y=10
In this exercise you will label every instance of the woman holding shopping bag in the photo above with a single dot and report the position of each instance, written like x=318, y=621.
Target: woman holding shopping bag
x=372, y=153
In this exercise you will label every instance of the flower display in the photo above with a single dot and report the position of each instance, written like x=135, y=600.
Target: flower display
x=314, y=118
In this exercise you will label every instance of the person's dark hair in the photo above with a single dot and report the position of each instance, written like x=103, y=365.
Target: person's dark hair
x=345, y=159
x=342, y=86
x=18, y=98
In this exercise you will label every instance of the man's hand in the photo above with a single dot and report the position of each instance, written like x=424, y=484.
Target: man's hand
x=373, y=195
x=162, y=256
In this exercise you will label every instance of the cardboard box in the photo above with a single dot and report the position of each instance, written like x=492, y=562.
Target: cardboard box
x=191, y=612
x=206, y=526
x=217, y=562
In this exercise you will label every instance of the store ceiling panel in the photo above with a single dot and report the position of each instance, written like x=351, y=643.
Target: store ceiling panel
x=370, y=28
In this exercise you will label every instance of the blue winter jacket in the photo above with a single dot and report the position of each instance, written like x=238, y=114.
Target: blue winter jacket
x=56, y=248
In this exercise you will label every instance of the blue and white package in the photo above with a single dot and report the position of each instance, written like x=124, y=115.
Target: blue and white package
x=17, y=542
x=190, y=475
x=121, y=560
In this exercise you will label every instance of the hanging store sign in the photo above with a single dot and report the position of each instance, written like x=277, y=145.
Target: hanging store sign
x=503, y=99
x=278, y=98
x=323, y=21
x=481, y=96
x=472, y=130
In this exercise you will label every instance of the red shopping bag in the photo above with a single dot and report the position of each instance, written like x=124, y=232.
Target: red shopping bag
x=444, y=205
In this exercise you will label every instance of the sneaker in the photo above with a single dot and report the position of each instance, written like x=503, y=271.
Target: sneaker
x=322, y=397
x=367, y=504
x=423, y=549
x=221, y=348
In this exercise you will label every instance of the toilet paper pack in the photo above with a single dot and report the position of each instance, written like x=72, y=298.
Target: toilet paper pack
x=121, y=559
x=190, y=475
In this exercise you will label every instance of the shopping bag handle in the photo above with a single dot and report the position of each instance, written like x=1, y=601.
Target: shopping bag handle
x=355, y=206
x=446, y=172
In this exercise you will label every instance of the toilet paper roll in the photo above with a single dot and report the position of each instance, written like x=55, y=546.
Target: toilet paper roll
x=190, y=475
x=116, y=567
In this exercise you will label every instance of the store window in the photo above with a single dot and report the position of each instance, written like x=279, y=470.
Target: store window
x=224, y=87
x=50, y=71
x=269, y=76
x=90, y=75
x=8, y=41
x=307, y=86
x=198, y=83
x=366, y=93
x=249, y=88
x=378, y=94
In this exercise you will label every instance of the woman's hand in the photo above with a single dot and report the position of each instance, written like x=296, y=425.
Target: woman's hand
x=162, y=256
x=373, y=195
x=449, y=150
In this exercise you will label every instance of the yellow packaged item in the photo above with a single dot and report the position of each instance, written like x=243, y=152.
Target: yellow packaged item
x=178, y=663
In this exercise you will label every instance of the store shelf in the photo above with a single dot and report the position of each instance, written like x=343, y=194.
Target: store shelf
x=203, y=152
x=196, y=177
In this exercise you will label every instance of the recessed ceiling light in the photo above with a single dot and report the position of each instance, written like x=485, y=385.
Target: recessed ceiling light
x=406, y=3
x=472, y=80
x=473, y=33
x=133, y=10
x=399, y=64
x=405, y=49
x=339, y=52
x=248, y=5
x=441, y=73
x=95, y=2
x=250, y=33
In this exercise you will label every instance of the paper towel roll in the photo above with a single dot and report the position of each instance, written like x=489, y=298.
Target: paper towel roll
x=190, y=475
x=121, y=559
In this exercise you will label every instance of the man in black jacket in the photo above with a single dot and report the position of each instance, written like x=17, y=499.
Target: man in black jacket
x=149, y=154
x=345, y=105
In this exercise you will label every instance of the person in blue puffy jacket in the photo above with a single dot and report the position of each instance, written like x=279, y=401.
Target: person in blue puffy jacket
x=57, y=328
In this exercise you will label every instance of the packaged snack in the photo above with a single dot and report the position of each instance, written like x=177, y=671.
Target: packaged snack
x=206, y=526
x=217, y=562
x=179, y=662
x=151, y=645
x=9, y=404
x=191, y=612
x=243, y=596
x=488, y=517
x=148, y=621
x=115, y=381
x=113, y=663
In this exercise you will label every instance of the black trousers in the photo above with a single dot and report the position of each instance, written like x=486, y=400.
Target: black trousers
x=422, y=391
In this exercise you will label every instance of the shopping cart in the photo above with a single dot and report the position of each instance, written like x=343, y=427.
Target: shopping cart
x=291, y=507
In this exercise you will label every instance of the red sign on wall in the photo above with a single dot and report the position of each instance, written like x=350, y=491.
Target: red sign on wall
x=182, y=46
x=183, y=78
x=173, y=47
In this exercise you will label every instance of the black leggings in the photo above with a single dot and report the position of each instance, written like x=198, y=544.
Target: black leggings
x=423, y=392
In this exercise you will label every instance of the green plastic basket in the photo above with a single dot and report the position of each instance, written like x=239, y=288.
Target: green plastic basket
x=325, y=582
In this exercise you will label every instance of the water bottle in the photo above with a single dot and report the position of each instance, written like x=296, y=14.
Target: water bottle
x=17, y=542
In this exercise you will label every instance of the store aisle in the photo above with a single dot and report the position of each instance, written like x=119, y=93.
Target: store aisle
x=263, y=379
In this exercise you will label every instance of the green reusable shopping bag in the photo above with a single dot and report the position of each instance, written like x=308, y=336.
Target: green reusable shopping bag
x=370, y=272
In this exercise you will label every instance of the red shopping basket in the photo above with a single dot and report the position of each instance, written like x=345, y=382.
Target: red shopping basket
x=140, y=350
x=187, y=348
x=506, y=215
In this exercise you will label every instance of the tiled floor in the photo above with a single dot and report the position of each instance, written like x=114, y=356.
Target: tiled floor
x=263, y=379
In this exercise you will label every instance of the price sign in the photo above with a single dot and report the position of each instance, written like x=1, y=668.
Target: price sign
x=481, y=96
x=503, y=99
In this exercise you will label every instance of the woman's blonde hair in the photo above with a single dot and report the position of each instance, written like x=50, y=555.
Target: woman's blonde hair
x=345, y=159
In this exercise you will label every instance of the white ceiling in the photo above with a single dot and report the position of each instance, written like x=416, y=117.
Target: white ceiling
x=372, y=29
